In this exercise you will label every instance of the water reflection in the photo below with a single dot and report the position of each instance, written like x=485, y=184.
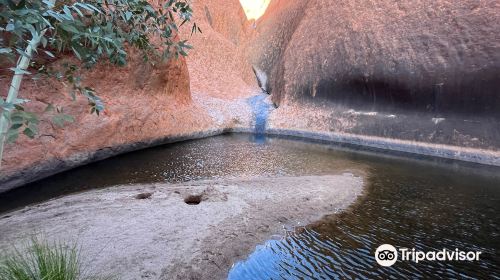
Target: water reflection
x=409, y=203
x=226, y=156
x=406, y=205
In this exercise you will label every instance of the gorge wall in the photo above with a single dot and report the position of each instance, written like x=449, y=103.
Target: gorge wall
x=426, y=71
x=202, y=95
x=416, y=76
x=436, y=56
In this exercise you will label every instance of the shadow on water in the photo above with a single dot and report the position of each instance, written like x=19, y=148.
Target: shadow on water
x=412, y=203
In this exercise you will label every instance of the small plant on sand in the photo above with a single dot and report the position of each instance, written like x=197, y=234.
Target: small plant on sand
x=43, y=261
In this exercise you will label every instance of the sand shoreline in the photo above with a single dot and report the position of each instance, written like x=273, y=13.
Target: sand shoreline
x=162, y=237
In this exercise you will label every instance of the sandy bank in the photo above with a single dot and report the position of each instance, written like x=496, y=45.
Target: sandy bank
x=162, y=237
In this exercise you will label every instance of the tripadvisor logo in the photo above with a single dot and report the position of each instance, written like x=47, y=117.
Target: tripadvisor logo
x=387, y=255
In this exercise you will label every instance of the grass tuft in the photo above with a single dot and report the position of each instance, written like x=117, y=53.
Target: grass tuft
x=42, y=261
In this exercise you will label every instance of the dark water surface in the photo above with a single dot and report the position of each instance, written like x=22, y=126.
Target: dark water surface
x=422, y=204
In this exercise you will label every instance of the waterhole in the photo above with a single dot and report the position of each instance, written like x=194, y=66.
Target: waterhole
x=414, y=203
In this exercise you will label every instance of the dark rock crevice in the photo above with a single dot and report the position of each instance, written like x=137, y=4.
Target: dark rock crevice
x=274, y=32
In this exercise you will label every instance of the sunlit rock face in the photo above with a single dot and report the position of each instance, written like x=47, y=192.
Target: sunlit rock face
x=139, y=101
x=215, y=64
x=145, y=105
x=431, y=56
x=226, y=17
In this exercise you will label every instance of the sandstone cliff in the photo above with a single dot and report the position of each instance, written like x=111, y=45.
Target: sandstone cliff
x=425, y=71
x=396, y=75
x=439, y=56
x=188, y=98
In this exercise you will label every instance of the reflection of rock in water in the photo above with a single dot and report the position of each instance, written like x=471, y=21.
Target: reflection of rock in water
x=261, y=109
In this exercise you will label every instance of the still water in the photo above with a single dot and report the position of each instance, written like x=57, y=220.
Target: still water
x=413, y=203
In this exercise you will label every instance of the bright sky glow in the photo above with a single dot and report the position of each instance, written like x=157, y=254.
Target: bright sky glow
x=254, y=9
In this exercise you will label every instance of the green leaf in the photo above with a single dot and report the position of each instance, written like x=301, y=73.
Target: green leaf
x=88, y=7
x=21, y=52
x=92, y=32
x=16, y=119
x=30, y=132
x=78, y=55
x=8, y=106
x=10, y=27
x=20, y=101
x=43, y=40
x=75, y=8
x=128, y=15
x=16, y=126
x=67, y=12
x=68, y=27
x=50, y=4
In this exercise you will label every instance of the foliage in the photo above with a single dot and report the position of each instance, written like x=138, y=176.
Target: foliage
x=41, y=30
x=41, y=261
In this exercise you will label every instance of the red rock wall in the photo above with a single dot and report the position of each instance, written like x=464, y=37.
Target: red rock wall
x=145, y=105
x=138, y=100
x=269, y=39
x=420, y=71
x=439, y=56
x=215, y=64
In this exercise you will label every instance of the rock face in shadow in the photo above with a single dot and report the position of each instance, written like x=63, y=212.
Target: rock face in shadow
x=268, y=43
x=432, y=56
